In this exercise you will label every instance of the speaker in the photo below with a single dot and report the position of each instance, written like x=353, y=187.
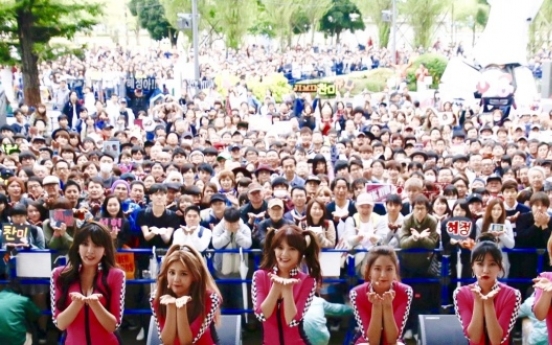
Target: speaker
x=546, y=79
x=440, y=330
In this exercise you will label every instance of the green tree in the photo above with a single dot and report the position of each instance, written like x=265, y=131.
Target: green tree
x=280, y=15
x=424, y=16
x=313, y=11
x=473, y=14
x=342, y=16
x=233, y=19
x=207, y=14
x=27, y=26
x=373, y=10
x=541, y=27
x=151, y=16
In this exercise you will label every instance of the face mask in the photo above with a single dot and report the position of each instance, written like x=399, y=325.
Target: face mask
x=430, y=178
x=106, y=167
x=280, y=193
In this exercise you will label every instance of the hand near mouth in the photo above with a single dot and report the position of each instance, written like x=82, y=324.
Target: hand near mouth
x=374, y=298
x=167, y=299
x=283, y=281
x=182, y=301
x=491, y=295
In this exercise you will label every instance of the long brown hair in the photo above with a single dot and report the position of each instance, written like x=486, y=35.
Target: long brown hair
x=100, y=236
x=202, y=281
x=488, y=219
x=374, y=254
x=297, y=238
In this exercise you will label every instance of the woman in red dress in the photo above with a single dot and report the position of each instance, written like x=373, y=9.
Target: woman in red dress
x=487, y=309
x=280, y=292
x=186, y=302
x=88, y=294
x=382, y=303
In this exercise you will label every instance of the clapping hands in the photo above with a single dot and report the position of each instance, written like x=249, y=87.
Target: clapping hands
x=178, y=302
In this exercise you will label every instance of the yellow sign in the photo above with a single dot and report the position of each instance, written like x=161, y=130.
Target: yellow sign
x=323, y=89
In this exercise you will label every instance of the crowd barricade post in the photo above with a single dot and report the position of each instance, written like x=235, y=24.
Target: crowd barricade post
x=351, y=279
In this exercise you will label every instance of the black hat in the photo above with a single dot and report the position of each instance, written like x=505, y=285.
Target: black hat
x=7, y=128
x=494, y=177
x=173, y=186
x=474, y=197
x=128, y=177
x=192, y=190
x=217, y=197
x=280, y=181
x=457, y=158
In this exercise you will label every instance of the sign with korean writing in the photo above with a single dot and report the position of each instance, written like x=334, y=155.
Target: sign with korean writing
x=14, y=233
x=9, y=149
x=459, y=228
x=59, y=216
x=379, y=191
x=113, y=224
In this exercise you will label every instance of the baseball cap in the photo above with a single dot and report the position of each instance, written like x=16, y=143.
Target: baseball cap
x=50, y=180
x=253, y=187
x=364, y=199
x=275, y=202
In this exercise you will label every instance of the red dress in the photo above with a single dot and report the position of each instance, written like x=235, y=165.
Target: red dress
x=506, y=304
x=86, y=329
x=202, y=328
x=363, y=308
x=275, y=329
x=538, y=294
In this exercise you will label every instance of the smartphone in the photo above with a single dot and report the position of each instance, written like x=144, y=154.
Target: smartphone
x=496, y=227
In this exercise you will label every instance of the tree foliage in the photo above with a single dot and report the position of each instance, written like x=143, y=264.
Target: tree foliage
x=279, y=14
x=339, y=18
x=28, y=26
x=313, y=11
x=151, y=16
x=424, y=16
x=373, y=9
x=233, y=18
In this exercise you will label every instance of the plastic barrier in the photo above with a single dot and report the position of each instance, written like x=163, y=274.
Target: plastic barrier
x=439, y=330
x=41, y=273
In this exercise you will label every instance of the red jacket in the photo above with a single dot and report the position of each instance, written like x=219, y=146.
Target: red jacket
x=86, y=325
x=202, y=328
x=275, y=329
x=363, y=308
x=506, y=303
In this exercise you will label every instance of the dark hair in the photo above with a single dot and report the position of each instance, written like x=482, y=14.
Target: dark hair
x=311, y=203
x=232, y=214
x=421, y=199
x=484, y=247
x=158, y=188
x=296, y=238
x=104, y=212
x=374, y=254
x=464, y=205
x=101, y=237
x=192, y=208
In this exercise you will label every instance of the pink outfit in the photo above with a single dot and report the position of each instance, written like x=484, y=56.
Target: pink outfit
x=201, y=327
x=363, y=308
x=538, y=294
x=86, y=329
x=275, y=329
x=506, y=303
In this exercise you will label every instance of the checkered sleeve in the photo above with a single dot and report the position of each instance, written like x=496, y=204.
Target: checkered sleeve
x=259, y=291
x=213, y=305
x=55, y=294
x=306, y=294
x=507, y=312
x=117, y=284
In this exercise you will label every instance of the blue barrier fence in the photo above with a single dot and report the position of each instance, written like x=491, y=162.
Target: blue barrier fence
x=350, y=278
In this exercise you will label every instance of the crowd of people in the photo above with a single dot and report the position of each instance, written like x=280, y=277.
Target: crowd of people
x=188, y=174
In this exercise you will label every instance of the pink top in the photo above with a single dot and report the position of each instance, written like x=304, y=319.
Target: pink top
x=201, y=327
x=86, y=325
x=506, y=303
x=363, y=308
x=538, y=294
x=275, y=329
